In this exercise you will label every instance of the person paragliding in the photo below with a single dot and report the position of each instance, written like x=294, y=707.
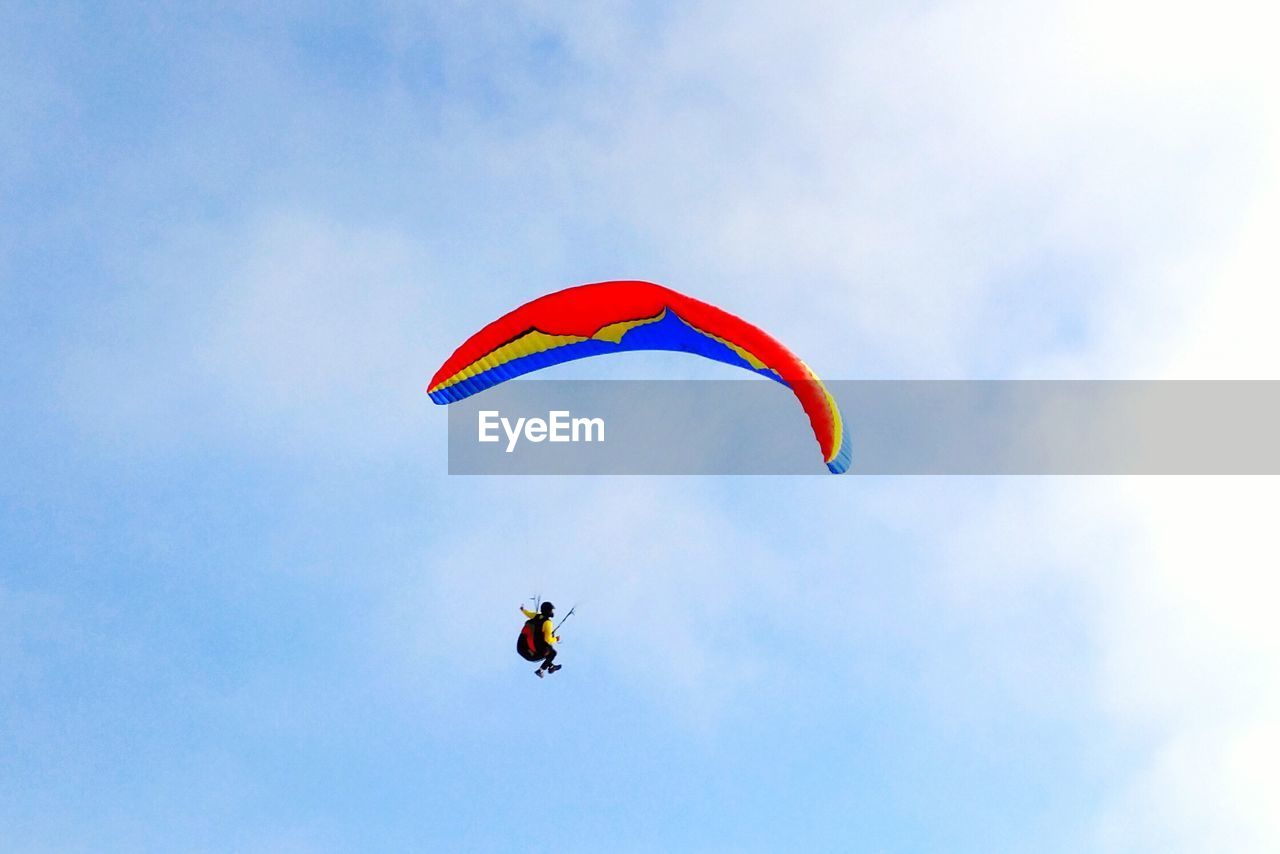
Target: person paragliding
x=538, y=638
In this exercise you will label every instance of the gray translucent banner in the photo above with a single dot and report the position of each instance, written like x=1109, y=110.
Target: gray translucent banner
x=895, y=427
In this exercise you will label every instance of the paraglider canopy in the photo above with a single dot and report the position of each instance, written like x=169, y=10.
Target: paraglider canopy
x=612, y=317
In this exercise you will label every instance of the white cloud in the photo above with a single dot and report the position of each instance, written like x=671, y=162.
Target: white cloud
x=905, y=173
x=294, y=331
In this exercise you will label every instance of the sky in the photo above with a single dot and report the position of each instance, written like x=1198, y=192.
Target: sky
x=243, y=606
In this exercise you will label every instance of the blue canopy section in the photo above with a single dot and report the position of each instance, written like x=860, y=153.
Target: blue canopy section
x=844, y=457
x=669, y=333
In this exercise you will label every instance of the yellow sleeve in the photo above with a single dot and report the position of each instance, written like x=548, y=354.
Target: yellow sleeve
x=548, y=633
x=529, y=614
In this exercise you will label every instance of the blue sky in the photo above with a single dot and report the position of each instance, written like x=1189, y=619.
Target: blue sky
x=242, y=607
